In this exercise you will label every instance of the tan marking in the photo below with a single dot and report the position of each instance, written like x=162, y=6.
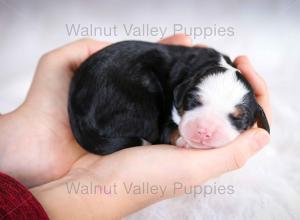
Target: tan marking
x=174, y=136
x=238, y=112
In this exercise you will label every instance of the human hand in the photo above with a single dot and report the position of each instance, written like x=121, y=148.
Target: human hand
x=36, y=142
x=159, y=166
x=42, y=149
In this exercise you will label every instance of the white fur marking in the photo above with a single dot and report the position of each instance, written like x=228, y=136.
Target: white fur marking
x=145, y=142
x=175, y=116
x=224, y=64
x=222, y=90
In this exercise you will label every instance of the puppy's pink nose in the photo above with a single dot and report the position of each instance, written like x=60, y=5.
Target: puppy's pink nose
x=204, y=134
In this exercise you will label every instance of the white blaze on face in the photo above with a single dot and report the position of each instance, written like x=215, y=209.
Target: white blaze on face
x=209, y=125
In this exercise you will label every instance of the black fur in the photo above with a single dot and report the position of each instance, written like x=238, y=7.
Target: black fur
x=125, y=93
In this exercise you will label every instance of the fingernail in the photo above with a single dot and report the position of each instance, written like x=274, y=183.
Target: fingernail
x=261, y=138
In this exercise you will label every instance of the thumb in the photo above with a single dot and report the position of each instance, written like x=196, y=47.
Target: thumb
x=236, y=153
x=70, y=56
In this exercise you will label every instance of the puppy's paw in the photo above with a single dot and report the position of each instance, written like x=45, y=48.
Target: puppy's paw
x=181, y=142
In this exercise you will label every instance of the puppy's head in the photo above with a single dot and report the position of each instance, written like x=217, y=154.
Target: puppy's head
x=215, y=106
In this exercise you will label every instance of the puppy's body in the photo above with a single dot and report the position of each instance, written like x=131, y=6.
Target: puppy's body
x=135, y=92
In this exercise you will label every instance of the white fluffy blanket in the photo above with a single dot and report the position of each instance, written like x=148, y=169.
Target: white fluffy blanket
x=266, y=188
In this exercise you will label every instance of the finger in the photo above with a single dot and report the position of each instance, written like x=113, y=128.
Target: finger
x=243, y=64
x=178, y=39
x=236, y=154
x=200, y=45
x=257, y=83
x=72, y=55
x=83, y=49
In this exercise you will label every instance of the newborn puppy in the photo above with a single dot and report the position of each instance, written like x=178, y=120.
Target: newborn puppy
x=135, y=93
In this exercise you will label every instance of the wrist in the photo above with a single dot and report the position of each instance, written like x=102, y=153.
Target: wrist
x=57, y=203
x=63, y=199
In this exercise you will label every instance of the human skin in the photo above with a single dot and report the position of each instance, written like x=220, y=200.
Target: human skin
x=36, y=141
x=37, y=146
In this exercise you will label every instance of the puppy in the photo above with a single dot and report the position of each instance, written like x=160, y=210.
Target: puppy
x=135, y=93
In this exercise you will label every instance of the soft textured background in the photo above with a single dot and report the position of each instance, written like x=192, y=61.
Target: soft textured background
x=267, y=31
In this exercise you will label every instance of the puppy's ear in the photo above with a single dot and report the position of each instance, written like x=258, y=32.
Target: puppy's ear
x=262, y=121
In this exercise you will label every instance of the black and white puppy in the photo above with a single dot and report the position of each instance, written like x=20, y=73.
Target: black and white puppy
x=133, y=93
